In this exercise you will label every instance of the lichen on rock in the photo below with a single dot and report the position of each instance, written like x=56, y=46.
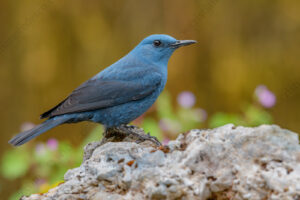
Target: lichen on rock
x=223, y=163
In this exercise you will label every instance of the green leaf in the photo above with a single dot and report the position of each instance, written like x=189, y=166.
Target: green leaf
x=95, y=135
x=188, y=119
x=15, y=163
x=256, y=116
x=164, y=106
x=220, y=119
x=58, y=174
x=151, y=126
x=27, y=188
x=16, y=195
x=66, y=152
x=45, y=157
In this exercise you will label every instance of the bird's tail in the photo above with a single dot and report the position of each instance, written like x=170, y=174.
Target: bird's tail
x=25, y=136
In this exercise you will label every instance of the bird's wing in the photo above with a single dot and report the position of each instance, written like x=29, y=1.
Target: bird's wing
x=96, y=94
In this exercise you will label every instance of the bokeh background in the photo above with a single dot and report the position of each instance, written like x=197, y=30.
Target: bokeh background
x=244, y=69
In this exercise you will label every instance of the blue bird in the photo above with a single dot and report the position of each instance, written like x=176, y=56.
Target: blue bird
x=118, y=94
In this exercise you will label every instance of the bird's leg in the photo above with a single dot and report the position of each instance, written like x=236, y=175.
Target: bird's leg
x=125, y=130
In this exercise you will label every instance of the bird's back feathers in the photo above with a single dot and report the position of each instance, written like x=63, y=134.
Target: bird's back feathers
x=97, y=93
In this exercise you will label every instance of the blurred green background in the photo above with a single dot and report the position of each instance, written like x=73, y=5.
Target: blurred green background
x=246, y=56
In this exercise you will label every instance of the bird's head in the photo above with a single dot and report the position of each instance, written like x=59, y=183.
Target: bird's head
x=159, y=48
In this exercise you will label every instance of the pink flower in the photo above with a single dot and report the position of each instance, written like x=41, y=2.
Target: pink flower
x=52, y=144
x=164, y=125
x=265, y=97
x=186, y=99
x=165, y=141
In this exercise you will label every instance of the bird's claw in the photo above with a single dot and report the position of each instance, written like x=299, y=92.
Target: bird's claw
x=131, y=130
x=130, y=126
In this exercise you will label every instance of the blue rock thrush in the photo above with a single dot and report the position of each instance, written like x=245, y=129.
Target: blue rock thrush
x=118, y=94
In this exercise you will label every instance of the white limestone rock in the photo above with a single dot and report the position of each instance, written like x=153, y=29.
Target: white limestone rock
x=223, y=163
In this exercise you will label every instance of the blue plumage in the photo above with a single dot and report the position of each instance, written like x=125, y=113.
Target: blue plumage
x=118, y=94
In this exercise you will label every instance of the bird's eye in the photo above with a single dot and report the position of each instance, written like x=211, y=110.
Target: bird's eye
x=156, y=43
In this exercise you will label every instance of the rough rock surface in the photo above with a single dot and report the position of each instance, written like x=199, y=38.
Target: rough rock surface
x=224, y=163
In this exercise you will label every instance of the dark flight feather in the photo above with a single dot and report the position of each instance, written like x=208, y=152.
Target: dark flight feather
x=97, y=93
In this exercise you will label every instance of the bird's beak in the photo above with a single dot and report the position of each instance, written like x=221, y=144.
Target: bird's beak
x=180, y=43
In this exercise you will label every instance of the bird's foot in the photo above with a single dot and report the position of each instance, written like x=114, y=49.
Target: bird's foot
x=130, y=130
x=130, y=126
